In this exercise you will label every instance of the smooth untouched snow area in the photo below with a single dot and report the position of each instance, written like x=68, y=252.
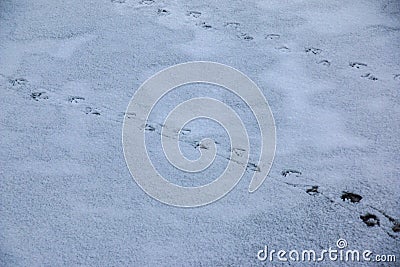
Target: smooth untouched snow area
x=330, y=72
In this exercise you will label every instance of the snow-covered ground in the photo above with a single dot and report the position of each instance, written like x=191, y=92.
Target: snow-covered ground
x=68, y=69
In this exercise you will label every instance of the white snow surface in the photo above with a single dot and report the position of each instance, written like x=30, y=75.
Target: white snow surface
x=68, y=69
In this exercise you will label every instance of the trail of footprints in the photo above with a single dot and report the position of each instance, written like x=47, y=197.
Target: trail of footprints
x=274, y=37
x=368, y=218
x=235, y=27
x=362, y=66
x=196, y=15
x=153, y=127
x=230, y=26
x=23, y=85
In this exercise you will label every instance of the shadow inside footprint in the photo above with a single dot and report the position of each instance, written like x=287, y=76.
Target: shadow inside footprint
x=194, y=14
x=324, y=62
x=146, y=2
x=396, y=228
x=149, y=128
x=185, y=131
x=238, y=151
x=199, y=145
x=233, y=25
x=313, y=190
x=90, y=110
x=39, y=96
x=354, y=198
x=287, y=172
x=162, y=11
x=18, y=81
x=369, y=76
x=129, y=115
x=245, y=36
x=357, y=65
x=313, y=50
x=283, y=49
x=205, y=25
x=75, y=99
x=370, y=219
x=253, y=167
x=272, y=36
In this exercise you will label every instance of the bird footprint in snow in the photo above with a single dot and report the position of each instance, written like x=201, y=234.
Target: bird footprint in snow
x=146, y=2
x=90, y=110
x=39, y=96
x=357, y=65
x=238, y=151
x=163, y=12
x=245, y=36
x=313, y=190
x=204, y=25
x=370, y=219
x=194, y=14
x=369, y=76
x=283, y=49
x=313, y=50
x=352, y=197
x=324, y=62
x=272, y=36
x=290, y=171
x=75, y=99
x=18, y=81
x=232, y=25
